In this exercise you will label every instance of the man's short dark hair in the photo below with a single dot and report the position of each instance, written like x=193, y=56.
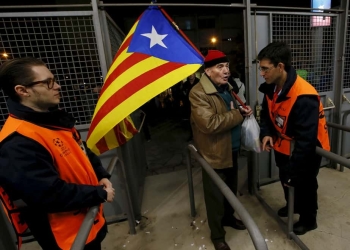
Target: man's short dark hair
x=277, y=52
x=17, y=71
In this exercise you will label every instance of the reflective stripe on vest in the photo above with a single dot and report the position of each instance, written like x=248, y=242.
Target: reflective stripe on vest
x=73, y=166
x=279, y=114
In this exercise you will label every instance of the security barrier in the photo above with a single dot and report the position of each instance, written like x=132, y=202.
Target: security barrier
x=253, y=230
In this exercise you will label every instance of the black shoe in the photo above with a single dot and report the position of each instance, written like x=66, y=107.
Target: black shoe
x=283, y=212
x=299, y=228
x=235, y=223
x=221, y=246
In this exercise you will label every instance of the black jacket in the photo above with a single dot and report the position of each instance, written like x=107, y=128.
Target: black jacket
x=27, y=172
x=302, y=126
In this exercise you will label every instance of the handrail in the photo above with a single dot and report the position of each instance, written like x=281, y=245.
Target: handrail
x=334, y=157
x=289, y=229
x=338, y=126
x=254, y=232
x=343, y=128
x=85, y=228
x=342, y=140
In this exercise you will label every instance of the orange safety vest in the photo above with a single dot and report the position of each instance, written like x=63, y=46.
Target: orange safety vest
x=279, y=114
x=73, y=166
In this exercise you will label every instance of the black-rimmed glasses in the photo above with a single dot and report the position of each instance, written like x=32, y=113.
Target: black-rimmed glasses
x=50, y=82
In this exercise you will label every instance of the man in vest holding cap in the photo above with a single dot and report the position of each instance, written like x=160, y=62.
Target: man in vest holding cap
x=292, y=124
x=44, y=162
x=216, y=121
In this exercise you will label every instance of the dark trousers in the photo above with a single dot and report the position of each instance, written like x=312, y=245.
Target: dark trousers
x=305, y=198
x=93, y=245
x=218, y=208
x=96, y=243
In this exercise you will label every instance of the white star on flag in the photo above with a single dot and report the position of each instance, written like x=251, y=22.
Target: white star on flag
x=155, y=38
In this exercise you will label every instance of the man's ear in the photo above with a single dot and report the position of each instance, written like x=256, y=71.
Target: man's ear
x=281, y=66
x=207, y=71
x=21, y=91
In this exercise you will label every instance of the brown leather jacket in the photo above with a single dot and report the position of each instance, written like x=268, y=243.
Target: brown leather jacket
x=212, y=123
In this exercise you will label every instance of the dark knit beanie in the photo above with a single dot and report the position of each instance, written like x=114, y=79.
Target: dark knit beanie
x=214, y=57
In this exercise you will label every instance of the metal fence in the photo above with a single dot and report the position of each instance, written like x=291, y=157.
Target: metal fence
x=347, y=58
x=66, y=42
x=312, y=45
x=116, y=36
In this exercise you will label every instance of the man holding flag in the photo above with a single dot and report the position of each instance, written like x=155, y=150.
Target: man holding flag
x=216, y=123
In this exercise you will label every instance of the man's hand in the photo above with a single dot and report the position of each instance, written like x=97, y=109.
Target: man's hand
x=105, y=182
x=247, y=112
x=110, y=194
x=267, y=143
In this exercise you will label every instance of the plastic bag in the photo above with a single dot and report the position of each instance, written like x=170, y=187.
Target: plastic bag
x=250, y=134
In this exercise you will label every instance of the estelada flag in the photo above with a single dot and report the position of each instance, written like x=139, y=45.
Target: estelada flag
x=153, y=57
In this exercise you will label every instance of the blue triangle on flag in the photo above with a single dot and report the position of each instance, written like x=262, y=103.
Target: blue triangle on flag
x=156, y=36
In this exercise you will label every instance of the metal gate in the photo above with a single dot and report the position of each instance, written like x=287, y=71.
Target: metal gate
x=313, y=47
x=344, y=137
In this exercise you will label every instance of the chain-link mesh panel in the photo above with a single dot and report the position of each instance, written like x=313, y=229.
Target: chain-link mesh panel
x=115, y=36
x=312, y=42
x=347, y=58
x=69, y=48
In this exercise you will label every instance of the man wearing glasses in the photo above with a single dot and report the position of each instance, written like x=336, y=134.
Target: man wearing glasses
x=292, y=124
x=44, y=162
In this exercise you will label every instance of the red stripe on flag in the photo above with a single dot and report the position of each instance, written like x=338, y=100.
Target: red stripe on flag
x=123, y=47
x=131, y=88
x=101, y=145
x=122, y=67
x=119, y=135
x=130, y=127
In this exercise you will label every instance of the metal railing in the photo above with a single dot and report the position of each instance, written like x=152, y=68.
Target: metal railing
x=85, y=228
x=253, y=230
x=343, y=129
x=289, y=226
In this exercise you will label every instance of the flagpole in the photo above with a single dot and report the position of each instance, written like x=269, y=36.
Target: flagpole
x=179, y=30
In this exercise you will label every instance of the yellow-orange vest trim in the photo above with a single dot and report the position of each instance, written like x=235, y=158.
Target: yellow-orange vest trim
x=279, y=114
x=73, y=166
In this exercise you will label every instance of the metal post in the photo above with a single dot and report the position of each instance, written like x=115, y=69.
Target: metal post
x=339, y=74
x=290, y=211
x=248, y=49
x=6, y=239
x=252, y=169
x=106, y=38
x=190, y=183
x=98, y=35
x=127, y=197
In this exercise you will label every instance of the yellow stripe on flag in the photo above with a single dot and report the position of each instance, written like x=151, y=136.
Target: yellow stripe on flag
x=127, y=76
x=111, y=139
x=139, y=98
x=114, y=65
